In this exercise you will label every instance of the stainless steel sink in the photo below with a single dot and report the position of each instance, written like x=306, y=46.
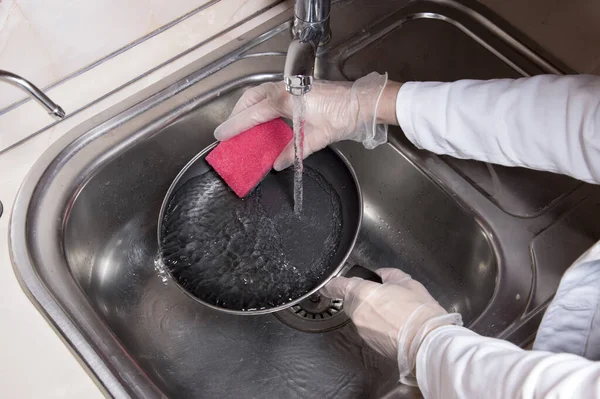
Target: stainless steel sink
x=83, y=230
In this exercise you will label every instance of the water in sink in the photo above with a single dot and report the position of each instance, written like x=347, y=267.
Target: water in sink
x=298, y=110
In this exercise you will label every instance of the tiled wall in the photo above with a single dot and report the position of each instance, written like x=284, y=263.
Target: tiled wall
x=46, y=40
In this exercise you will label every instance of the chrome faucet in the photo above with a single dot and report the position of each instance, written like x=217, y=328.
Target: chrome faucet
x=311, y=29
x=53, y=109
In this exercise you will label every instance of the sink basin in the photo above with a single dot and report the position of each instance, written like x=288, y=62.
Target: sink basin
x=83, y=230
x=409, y=223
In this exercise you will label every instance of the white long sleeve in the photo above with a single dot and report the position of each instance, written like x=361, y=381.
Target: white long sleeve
x=545, y=122
x=548, y=123
x=454, y=362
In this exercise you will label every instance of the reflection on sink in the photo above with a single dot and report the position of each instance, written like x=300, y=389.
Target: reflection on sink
x=445, y=54
x=411, y=224
x=83, y=231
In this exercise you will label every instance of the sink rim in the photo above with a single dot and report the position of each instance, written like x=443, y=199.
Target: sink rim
x=104, y=371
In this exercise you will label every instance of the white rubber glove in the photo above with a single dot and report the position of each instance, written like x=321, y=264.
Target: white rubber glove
x=334, y=111
x=394, y=317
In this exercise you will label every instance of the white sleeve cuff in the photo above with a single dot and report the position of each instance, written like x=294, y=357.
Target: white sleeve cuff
x=404, y=110
x=428, y=345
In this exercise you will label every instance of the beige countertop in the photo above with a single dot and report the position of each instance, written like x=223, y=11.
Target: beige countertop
x=35, y=363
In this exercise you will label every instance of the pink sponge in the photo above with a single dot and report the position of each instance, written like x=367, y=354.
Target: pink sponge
x=245, y=159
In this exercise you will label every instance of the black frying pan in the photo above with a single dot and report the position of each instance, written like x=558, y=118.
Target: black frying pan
x=254, y=256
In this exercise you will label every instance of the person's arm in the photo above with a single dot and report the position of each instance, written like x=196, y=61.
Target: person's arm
x=545, y=122
x=458, y=363
x=454, y=362
x=400, y=319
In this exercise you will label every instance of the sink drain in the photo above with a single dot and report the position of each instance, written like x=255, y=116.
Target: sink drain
x=315, y=314
x=1, y=208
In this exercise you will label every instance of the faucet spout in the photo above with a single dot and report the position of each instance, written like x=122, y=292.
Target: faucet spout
x=53, y=109
x=299, y=67
x=311, y=29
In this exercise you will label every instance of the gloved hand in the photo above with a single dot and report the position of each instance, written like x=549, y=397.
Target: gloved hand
x=334, y=111
x=394, y=317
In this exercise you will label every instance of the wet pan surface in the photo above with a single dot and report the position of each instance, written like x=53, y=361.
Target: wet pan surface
x=255, y=253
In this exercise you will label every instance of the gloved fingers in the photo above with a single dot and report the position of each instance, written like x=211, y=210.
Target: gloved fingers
x=344, y=287
x=354, y=291
x=246, y=119
x=398, y=277
x=257, y=94
x=313, y=142
x=337, y=288
x=417, y=287
x=393, y=275
x=286, y=158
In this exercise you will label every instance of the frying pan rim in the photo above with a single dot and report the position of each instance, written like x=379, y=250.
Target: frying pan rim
x=335, y=272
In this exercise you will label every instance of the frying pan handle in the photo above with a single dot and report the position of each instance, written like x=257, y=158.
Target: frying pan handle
x=354, y=271
x=364, y=273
